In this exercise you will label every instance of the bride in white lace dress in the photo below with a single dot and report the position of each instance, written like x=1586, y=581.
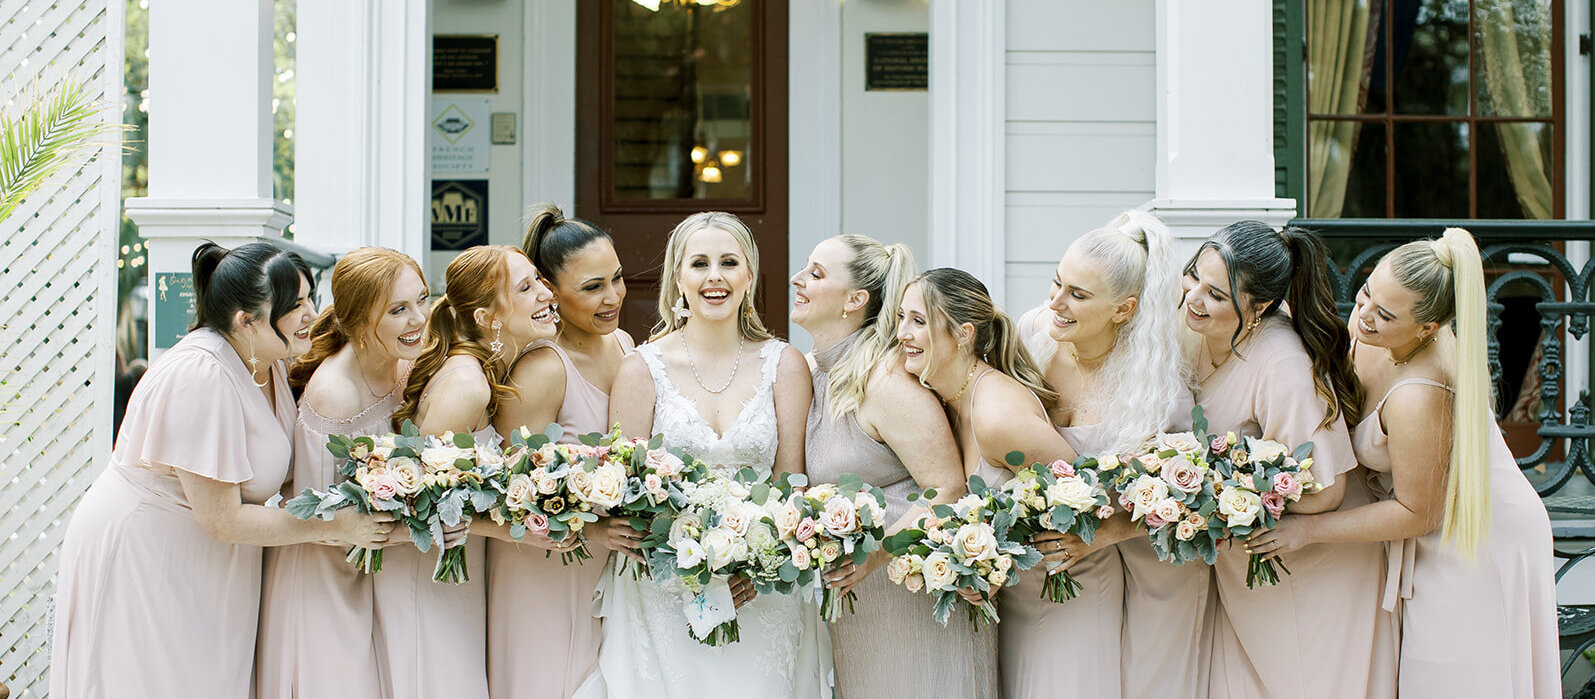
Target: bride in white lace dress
x=715, y=383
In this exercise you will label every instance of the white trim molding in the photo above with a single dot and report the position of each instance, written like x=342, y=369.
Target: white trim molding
x=548, y=158
x=968, y=142
x=814, y=120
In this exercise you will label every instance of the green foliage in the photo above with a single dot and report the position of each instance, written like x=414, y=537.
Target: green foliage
x=53, y=131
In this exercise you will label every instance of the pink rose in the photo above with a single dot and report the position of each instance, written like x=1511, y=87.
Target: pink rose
x=840, y=516
x=384, y=487
x=537, y=524
x=1286, y=484
x=1152, y=463
x=1274, y=503
x=1153, y=521
x=1104, y=512
x=1061, y=469
x=1220, y=445
x=806, y=528
x=1124, y=501
x=1182, y=475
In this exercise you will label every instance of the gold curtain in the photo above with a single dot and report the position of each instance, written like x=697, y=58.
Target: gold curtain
x=1339, y=49
x=1515, y=41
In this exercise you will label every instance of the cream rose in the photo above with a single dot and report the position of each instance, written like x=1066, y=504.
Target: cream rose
x=864, y=501
x=1073, y=492
x=1265, y=450
x=1182, y=474
x=722, y=545
x=897, y=569
x=975, y=542
x=736, y=519
x=1239, y=507
x=1184, y=531
x=520, y=491
x=407, y=473
x=830, y=551
x=914, y=582
x=938, y=571
x=998, y=577
x=579, y=481
x=1180, y=441
x=606, y=487
x=1145, y=493
x=664, y=462
x=821, y=493
x=1168, y=510
x=786, y=517
x=440, y=457
x=840, y=517
x=801, y=559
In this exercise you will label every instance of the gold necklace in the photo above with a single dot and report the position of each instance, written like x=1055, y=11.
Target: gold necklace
x=972, y=364
x=1398, y=362
x=1097, y=360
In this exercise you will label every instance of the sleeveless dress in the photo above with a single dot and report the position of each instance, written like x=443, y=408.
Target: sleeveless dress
x=890, y=647
x=432, y=636
x=1505, y=643
x=646, y=651
x=316, y=617
x=542, y=639
x=147, y=603
x=1319, y=632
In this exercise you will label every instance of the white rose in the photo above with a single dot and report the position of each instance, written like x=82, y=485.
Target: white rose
x=840, y=517
x=938, y=571
x=1072, y=492
x=969, y=503
x=1239, y=507
x=1180, y=441
x=975, y=542
x=518, y=495
x=1145, y=493
x=407, y=473
x=689, y=553
x=441, y=457
x=786, y=517
x=1265, y=450
x=736, y=519
x=800, y=557
x=865, y=501
x=489, y=457
x=726, y=547
x=830, y=550
x=604, y=488
x=683, y=527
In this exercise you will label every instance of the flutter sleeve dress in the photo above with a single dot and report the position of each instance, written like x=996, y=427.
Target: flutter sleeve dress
x=316, y=610
x=148, y=604
x=1319, y=632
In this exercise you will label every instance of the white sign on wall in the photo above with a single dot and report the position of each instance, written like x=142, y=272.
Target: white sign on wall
x=460, y=136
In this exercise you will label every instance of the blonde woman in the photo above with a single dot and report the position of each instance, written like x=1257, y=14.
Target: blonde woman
x=1109, y=340
x=1466, y=530
x=872, y=418
x=715, y=383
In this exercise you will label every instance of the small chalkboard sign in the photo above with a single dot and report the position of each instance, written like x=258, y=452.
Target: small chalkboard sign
x=897, y=61
x=465, y=63
x=174, y=307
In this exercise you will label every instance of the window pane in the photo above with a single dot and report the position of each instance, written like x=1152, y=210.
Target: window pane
x=1430, y=48
x=1431, y=170
x=1515, y=171
x=1340, y=59
x=1513, y=57
x=1366, y=186
x=682, y=91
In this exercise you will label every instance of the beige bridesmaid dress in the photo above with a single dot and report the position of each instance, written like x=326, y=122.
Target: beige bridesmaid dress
x=1483, y=628
x=890, y=647
x=1320, y=631
x=148, y=604
x=542, y=638
x=316, y=610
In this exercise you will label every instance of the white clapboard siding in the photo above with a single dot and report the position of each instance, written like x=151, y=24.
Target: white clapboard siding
x=1081, y=131
x=57, y=269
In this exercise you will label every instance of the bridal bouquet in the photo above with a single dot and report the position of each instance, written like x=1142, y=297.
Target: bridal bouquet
x=655, y=482
x=824, y=524
x=1255, y=479
x=1060, y=497
x=970, y=545
x=1169, y=488
x=719, y=532
x=428, y=483
x=549, y=488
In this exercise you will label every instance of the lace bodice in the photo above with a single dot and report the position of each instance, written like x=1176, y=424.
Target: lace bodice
x=749, y=442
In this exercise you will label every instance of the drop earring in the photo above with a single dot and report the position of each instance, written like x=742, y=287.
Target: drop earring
x=254, y=366
x=844, y=314
x=680, y=309
x=497, y=345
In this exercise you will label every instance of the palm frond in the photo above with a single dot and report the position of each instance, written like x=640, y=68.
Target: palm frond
x=45, y=137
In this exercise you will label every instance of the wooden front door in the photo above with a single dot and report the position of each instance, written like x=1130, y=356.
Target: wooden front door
x=683, y=108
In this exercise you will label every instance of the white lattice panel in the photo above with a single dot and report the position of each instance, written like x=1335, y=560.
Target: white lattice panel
x=57, y=253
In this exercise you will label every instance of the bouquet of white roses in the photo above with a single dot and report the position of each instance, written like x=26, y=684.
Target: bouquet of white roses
x=969, y=545
x=428, y=483
x=823, y=524
x=1060, y=497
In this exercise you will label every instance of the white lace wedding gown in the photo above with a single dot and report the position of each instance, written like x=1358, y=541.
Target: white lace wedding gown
x=784, y=650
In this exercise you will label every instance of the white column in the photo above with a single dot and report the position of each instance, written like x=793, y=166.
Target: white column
x=361, y=163
x=814, y=119
x=210, y=135
x=1215, y=106
x=968, y=42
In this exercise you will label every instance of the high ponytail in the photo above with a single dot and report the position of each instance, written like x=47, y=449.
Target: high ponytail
x=883, y=271
x=551, y=239
x=246, y=278
x=1292, y=267
x=955, y=297
x=1448, y=278
x=1315, y=317
x=361, y=283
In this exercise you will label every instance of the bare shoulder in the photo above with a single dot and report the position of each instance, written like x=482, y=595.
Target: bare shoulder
x=332, y=391
x=537, y=370
x=462, y=377
x=633, y=375
x=793, y=366
x=893, y=388
x=1002, y=405
x=1416, y=404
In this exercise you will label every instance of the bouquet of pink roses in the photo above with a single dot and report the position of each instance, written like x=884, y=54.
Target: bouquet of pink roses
x=549, y=488
x=1060, y=497
x=428, y=483
x=823, y=524
x=968, y=545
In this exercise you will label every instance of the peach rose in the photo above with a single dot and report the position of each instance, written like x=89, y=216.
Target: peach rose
x=840, y=517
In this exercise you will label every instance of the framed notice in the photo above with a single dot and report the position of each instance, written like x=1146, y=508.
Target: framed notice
x=174, y=307
x=459, y=214
x=460, y=131
x=465, y=63
x=897, y=61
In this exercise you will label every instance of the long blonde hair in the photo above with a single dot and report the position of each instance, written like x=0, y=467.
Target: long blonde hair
x=748, y=320
x=1448, y=277
x=883, y=271
x=1137, y=389
x=954, y=297
x=477, y=278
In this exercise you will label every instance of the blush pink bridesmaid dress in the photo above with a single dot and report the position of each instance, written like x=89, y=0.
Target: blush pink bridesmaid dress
x=1320, y=631
x=542, y=638
x=316, y=610
x=1486, y=627
x=148, y=604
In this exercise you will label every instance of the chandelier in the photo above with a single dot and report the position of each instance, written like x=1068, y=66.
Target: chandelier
x=653, y=5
